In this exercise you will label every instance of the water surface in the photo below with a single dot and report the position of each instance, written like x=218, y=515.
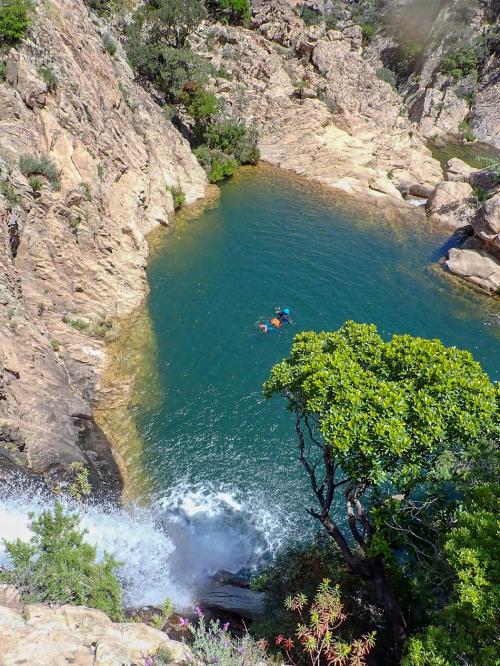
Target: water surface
x=274, y=240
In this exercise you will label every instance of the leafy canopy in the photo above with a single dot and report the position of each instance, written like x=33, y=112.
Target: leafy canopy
x=387, y=410
x=57, y=566
x=14, y=20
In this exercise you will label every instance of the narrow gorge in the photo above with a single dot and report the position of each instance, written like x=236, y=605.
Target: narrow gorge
x=138, y=260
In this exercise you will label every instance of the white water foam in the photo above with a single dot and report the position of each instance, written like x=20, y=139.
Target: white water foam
x=170, y=549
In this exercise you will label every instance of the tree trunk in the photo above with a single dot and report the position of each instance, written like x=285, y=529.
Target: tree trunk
x=391, y=606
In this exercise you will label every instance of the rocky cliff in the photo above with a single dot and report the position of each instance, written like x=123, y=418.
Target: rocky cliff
x=73, y=252
x=320, y=108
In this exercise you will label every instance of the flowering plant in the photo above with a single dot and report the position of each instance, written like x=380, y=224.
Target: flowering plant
x=213, y=644
x=315, y=634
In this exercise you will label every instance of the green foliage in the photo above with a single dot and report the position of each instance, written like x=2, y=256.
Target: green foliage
x=80, y=487
x=30, y=165
x=466, y=131
x=168, y=22
x=310, y=16
x=212, y=643
x=233, y=138
x=36, y=183
x=7, y=191
x=463, y=630
x=55, y=344
x=50, y=78
x=87, y=191
x=387, y=75
x=200, y=104
x=109, y=44
x=368, y=30
x=57, y=566
x=14, y=20
x=233, y=11
x=217, y=164
x=158, y=620
x=465, y=61
x=388, y=410
x=178, y=196
x=163, y=657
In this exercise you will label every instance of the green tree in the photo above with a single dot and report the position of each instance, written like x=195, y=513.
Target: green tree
x=14, y=20
x=234, y=11
x=57, y=566
x=170, y=22
x=462, y=620
x=373, y=421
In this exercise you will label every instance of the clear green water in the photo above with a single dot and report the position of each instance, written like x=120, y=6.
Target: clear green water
x=273, y=240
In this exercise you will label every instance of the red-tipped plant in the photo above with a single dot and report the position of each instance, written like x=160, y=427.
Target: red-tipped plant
x=315, y=631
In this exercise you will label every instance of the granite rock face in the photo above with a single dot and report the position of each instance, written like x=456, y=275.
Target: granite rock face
x=321, y=110
x=73, y=258
x=47, y=636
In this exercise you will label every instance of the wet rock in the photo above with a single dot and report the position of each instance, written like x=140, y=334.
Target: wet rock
x=476, y=266
x=234, y=599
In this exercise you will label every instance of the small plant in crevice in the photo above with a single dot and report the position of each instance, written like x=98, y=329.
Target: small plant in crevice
x=466, y=131
x=31, y=165
x=87, y=191
x=36, y=183
x=109, y=44
x=7, y=191
x=55, y=344
x=159, y=619
x=178, y=196
x=50, y=78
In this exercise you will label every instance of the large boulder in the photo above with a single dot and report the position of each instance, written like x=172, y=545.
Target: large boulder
x=457, y=170
x=452, y=204
x=475, y=265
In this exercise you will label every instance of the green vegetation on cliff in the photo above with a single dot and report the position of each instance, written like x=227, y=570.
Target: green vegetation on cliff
x=57, y=566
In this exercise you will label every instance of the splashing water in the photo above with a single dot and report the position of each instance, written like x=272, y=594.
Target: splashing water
x=170, y=549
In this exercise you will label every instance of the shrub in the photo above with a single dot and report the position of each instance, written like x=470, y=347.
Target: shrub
x=177, y=195
x=109, y=44
x=233, y=138
x=368, y=31
x=169, y=22
x=200, y=104
x=234, y=11
x=310, y=16
x=217, y=164
x=466, y=131
x=387, y=75
x=465, y=61
x=14, y=20
x=7, y=191
x=87, y=191
x=319, y=621
x=50, y=78
x=30, y=165
x=56, y=346
x=213, y=644
x=36, y=183
x=57, y=566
